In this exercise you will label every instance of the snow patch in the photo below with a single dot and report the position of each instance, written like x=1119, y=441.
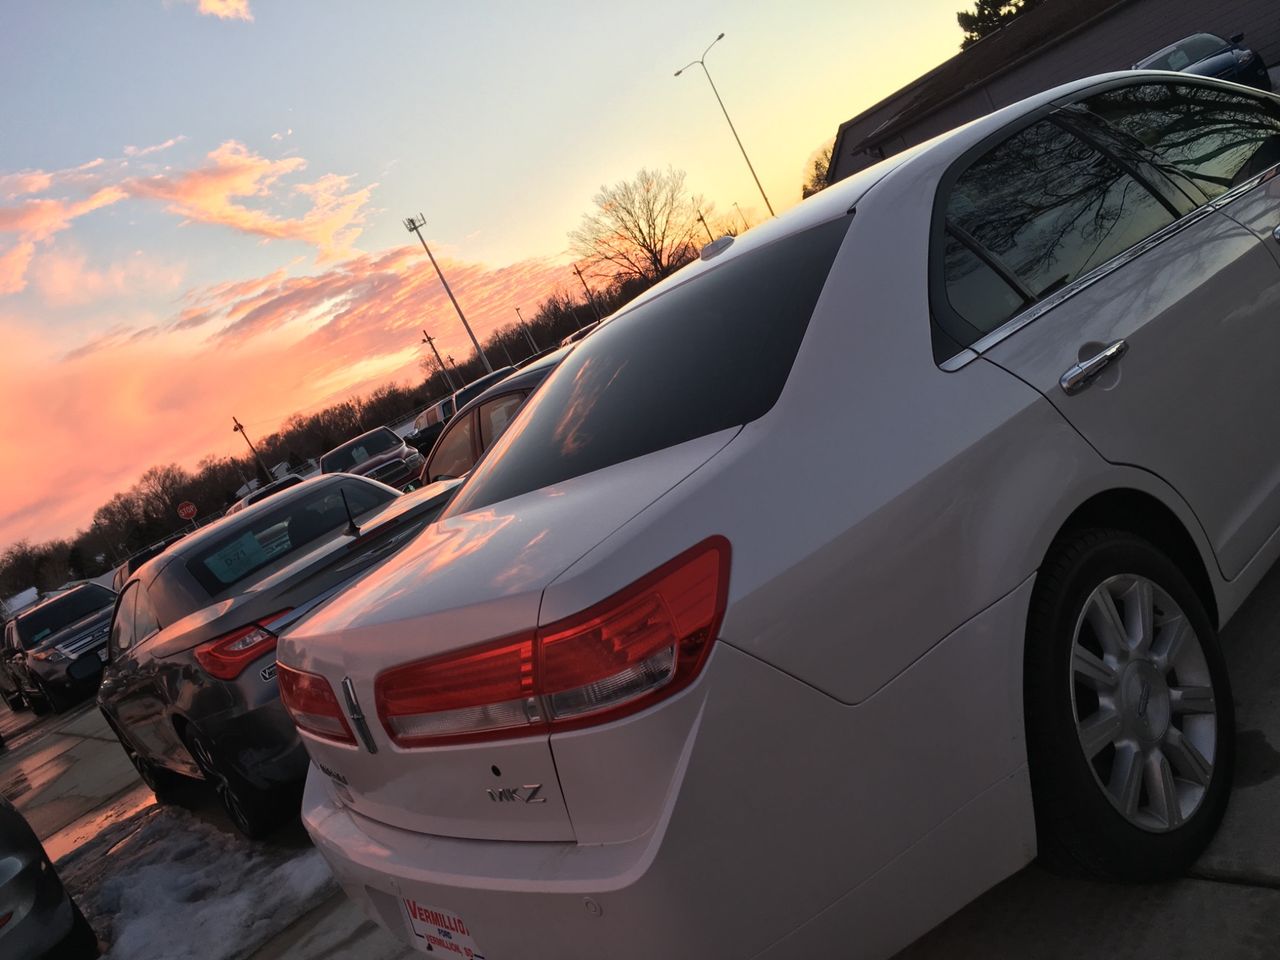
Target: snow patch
x=163, y=884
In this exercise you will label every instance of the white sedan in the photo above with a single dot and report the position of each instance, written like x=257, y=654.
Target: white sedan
x=873, y=554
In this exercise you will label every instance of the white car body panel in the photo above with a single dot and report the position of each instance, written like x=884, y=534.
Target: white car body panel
x=850, y=767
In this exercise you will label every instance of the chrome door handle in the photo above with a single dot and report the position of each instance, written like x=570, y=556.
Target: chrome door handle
x=1080, y=375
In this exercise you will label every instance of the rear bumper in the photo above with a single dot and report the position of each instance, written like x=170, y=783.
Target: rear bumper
x=260, y=740
x=792, y=824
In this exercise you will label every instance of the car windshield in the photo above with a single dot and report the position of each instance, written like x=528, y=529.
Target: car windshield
x=62, y=611
x=1185, y=52
x=357, y=451
x=271, y=488
x=258, y=538
x=703, y=356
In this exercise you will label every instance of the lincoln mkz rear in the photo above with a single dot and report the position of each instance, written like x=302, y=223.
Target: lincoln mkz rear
x=845, y=571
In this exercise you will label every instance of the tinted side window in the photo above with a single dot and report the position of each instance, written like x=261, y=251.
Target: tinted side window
x=495, y=415
x=1051, y=207
x=981, y=297
x=452, y=456
x=1216, y=138
x=122, y=625
x=145, y=621
x=708, y=354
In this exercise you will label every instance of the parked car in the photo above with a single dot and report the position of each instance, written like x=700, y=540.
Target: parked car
x=479, y=423
x=580, y=334
x=38, y=919
x=190, y=686
x=845, y=570
x=429, y=424
x=1211, y=56
x=264, y=491
x=380, y=455
x=41, y=642
x=125, y=570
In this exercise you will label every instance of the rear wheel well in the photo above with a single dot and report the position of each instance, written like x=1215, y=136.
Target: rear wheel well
x=1145, y=516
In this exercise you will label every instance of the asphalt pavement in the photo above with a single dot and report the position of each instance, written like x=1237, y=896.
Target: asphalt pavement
x=69, y=777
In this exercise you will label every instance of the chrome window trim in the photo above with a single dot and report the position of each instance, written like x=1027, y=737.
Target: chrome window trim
x=1235, y=193
x=1039, y=309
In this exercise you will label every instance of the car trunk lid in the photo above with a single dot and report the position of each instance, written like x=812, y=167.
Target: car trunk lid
x=467, y=580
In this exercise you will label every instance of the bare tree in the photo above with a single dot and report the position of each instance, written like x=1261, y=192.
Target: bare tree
x=816, y=180
x=645, y=228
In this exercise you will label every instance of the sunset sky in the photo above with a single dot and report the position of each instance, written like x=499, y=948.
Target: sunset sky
x=201, y=202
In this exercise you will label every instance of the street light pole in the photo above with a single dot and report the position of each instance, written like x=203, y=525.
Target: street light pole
x=590, y=299
x=430, y=341
x=702, y=220
x=527, y=332
x=734, y=130
x=745, y=225
x=239, y=428
x=415, y=225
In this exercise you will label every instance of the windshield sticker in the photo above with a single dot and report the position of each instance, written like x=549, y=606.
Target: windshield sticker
x=237, y=559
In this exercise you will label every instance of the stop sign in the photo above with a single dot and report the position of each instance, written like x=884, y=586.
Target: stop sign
x=187, y=510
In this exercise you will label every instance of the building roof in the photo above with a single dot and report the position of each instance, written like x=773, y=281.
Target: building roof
x=1025, y=37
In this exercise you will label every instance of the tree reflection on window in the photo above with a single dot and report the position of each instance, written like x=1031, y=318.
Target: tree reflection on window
x=1216, y=138
x=1051, y=207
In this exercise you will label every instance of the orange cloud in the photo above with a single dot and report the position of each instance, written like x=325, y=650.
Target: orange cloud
x=210, y=194
x=40, y=219
x=226, y=9
x=14, y=185
x=63, y=278
x=13, y=266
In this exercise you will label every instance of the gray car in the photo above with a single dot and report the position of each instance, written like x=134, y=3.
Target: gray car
x=190, y=685
x=42, y=641
x=37, y=917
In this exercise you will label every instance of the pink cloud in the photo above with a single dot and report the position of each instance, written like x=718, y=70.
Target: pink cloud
x=141, y=394
x=14, y=185
x=211, y=193
x=64, y=279
x=13, y=266
x=226, y=9
x=132, y=151
x=40, y=219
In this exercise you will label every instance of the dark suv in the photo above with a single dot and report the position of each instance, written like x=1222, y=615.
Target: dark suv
x=42, y=641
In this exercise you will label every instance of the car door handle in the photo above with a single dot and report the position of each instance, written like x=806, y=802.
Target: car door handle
x=1080, y=375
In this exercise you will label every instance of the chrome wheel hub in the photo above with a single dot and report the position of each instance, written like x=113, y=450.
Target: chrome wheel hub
x=1143, y=702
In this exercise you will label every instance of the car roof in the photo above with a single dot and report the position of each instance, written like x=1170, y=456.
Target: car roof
x=57, y=595
x=367, y=433
x=1177, y=43
x=531, y=375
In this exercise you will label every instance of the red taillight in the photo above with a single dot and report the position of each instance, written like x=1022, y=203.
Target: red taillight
x=312, y=704
x=642, y=644
x=5, y=918
x=228, y=655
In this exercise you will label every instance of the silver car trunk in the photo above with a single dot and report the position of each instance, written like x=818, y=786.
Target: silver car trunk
x=467, y=580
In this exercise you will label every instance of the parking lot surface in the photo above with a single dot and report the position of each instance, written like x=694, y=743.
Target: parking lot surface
x=178, y=882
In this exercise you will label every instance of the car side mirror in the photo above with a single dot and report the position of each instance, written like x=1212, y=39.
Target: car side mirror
x=1237, y=38
x=87, y=666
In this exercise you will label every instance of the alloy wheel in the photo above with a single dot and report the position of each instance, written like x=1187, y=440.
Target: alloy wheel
x=231, y=800
x=1143, y=702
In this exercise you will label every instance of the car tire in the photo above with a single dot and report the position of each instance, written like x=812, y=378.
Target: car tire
x=56, y=701
x=165, y=784
x=1130, y=724
x=254, y=811
x=15, y=702
x=80, y=943
x=38, y=704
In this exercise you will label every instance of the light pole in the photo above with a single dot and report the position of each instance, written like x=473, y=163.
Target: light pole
x=700, y=63
x=745, y=225
x=590, y=299
x=430, y=341
x=239, y=428
x=527, y=332
x=415, y=225
x=702, y=220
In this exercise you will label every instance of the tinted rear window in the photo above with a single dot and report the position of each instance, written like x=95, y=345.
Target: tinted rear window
x=259, y=538
x=359, y=450
x=61, y=612
x=709, y=354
